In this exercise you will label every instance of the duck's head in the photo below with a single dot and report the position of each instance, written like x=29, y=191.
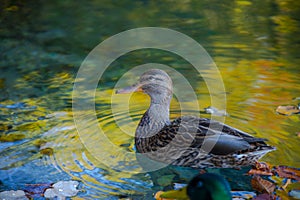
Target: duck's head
x=209, y=186
x=156, y=83
x=206, y=186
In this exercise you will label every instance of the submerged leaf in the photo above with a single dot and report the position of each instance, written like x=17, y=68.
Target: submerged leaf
x=262, y=185
x=288, y=172
x=36, y=190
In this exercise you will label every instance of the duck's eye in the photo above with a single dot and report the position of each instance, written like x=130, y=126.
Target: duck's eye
x=151, y=78
x=199, y=184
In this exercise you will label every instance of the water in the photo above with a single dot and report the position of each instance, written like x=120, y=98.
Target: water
x=254, y=44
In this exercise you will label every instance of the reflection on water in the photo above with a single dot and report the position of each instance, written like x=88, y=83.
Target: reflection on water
x=254, y=44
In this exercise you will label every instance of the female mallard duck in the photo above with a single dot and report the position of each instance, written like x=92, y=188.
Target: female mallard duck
x=206, y=186
x=189, y=141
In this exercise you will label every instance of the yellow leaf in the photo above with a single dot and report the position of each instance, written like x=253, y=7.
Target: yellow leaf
x=287, y=110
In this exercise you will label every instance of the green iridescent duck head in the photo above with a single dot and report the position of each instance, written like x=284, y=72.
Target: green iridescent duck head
x=206, y=186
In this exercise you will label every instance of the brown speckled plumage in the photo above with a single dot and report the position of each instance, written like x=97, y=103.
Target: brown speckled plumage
x=189, y=141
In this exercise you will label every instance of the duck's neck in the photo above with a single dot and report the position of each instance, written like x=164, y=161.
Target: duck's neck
x=155, y=118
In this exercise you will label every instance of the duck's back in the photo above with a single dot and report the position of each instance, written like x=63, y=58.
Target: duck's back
x=200, y=142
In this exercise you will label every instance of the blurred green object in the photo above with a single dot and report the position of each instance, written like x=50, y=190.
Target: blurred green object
x=206, y=186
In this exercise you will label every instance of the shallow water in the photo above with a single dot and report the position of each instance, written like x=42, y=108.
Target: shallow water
x=255, y=46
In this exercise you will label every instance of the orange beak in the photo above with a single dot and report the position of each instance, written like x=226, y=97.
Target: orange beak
x=129, y=89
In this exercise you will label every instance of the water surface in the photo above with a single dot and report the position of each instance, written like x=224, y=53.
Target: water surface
x=254, y=44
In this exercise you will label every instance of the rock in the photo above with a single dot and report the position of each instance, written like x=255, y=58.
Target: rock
x=62, y=189
x=13, y=195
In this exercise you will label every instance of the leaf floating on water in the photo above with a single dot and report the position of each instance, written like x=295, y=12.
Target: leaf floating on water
x=288, y=110
x=263, y=165
x=36, y=190
x=288, y=172
x=262, y=185
x=62, y=189
x=259, y=172
x=261, y=168
x=13, y=195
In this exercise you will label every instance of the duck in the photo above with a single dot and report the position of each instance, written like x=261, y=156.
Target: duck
x=188, y=141
x=207, y=186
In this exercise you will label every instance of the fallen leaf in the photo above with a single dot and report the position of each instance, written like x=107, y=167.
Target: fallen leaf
x=262, y=185
x=261, y=168
x=288, y=172
x=36, y=190
x=259, y=172
x=287, y=110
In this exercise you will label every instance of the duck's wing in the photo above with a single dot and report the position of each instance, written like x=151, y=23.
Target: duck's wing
x=214, y=137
